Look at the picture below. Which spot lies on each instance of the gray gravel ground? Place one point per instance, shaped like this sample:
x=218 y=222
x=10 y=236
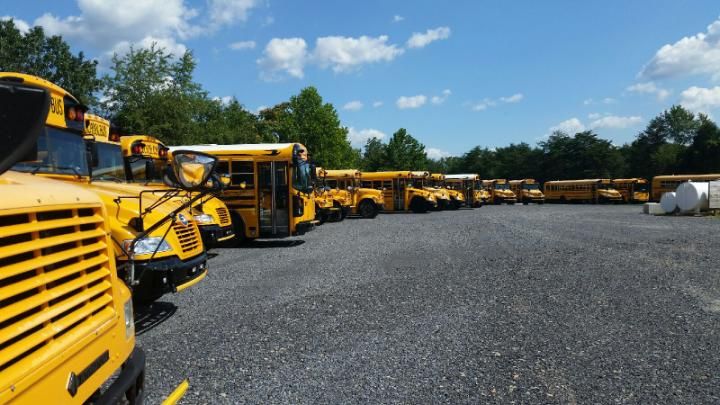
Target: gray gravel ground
x=525 y=304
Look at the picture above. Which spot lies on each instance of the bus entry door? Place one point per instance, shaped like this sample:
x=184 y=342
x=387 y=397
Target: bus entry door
x=273 y=205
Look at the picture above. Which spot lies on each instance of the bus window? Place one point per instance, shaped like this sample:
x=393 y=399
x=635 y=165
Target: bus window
x=58 y=152
x=110 y=163
x=242 y=171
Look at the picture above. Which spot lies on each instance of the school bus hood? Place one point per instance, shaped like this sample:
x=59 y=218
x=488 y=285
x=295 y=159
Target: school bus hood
x=44 y=191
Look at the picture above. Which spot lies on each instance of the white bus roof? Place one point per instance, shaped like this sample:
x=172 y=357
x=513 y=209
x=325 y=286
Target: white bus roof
x=240 y=146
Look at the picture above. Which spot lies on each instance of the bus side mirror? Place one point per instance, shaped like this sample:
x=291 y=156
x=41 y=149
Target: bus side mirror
x=23 y=111
x=190 y=170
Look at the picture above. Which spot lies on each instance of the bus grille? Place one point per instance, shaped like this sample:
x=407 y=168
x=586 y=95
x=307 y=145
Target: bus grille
x=187 y=236
x=224 y=216
x=55 y=285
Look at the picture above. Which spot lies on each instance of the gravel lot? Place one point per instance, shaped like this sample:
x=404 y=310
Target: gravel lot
x=531 y=304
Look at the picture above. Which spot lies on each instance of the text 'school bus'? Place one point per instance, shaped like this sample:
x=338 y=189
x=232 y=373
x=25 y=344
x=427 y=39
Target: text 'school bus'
x=588 y=190
x=633 y=190
x=666 y=183
x=146 y=158
x=469 y=184
x=527 y=191
x=500 y=192
x=366 y=202
x=66 y=320
x=437 y=181
x=167 y=259
x=271 y=188
x=402 y=190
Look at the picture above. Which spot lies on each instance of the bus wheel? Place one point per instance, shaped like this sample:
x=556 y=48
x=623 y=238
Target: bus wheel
x=321 y=216
x=454 y=205
x=563 y=200
x=525 y=202
x=337 y=216
x=368 y=209
x=418 y=205
x=239 y=228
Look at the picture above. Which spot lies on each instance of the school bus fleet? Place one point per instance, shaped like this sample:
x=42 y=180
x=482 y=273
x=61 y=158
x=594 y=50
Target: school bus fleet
x=95 y=221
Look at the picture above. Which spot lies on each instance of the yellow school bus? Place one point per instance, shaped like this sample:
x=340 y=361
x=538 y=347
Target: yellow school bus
x=366 y=202
x=499 y=191
x=402 y=190
x=66 y=322
x=168 y=259
x=589 y=190
x=456 y=198
x=325 y=209
x=271 y=188
x=145 y=160
x=665 y=183
x=469 y=185
x=339 y=201
x=527 y=191
x=633 y=190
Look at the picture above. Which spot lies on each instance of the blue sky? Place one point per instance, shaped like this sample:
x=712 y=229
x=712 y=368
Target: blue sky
x=455 y=74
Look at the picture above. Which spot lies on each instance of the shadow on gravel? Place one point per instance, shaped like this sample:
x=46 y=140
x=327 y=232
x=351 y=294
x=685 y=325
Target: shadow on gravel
x=148 y=317
x=266 y=244
x=212 y=255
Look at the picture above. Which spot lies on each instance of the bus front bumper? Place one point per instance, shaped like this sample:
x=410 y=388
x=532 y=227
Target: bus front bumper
x=164 y=276
x=212 y=235
x=131 y=379
x=304 y=227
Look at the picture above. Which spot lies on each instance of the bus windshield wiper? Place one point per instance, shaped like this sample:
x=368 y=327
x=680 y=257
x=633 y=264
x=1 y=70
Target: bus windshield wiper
x=109 y=177
x=39 y=166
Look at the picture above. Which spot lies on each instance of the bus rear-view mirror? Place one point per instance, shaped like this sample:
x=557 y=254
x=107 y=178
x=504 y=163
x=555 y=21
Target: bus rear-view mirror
x=190 y=170
x=23 y=111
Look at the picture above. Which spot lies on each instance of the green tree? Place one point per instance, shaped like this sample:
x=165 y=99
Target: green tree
x=229 y=124
x=151 y=92
x=50 y=58
x=374 y=156
x=306 y=119
x=403 y=152
x=583 y=155
x=517 y=161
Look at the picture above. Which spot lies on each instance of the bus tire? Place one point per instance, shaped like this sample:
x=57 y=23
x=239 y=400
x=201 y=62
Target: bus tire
x=239 y=228
x=338 y=215
x=321 y=216
x=418 y=205
x=454 y=205
x=563 y=200
x=368 y=209
x=525 y=203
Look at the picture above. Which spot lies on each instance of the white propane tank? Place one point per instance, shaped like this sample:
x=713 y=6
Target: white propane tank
x=692 y=196
x=668 y=202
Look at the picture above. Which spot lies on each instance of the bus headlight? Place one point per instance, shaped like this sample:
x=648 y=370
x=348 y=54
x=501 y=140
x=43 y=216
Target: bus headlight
x=203 y=219
x=148 y=245
x=129 y=319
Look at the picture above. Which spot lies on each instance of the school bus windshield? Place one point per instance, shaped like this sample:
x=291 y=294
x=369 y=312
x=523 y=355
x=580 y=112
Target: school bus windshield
x=301 y=175
x=503 y=186
x=416 y=183
x=146 y=170
x=531 y=187
x=59 y=152
x=110 y=165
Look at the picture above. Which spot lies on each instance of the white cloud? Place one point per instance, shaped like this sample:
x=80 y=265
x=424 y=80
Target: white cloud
x=108 y=27
x=287 y=55
x=21 y=25
x=587 y=101
x=360 y=137
x=405 y=102
x=700 y=99
x=241 y=45
x=420 y=40
x=168 y=43
x=694 y=55
x=616 y=122
x=594 y=116
x=484 y=105
x=435 y=153
x=570 y=126
x=225 y=100
x=398 y=18
x=228 y=12
x=606 y=100
x=515 y=98
x=649 y=88
x=609 y=100
x=441 y=98
x=345 y=54
x=377 y=104
x=354 y=105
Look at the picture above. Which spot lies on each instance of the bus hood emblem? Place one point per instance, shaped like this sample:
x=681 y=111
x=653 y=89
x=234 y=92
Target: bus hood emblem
x=182 y=219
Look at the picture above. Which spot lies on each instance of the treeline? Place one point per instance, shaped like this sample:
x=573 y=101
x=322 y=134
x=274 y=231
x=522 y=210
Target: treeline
x=149 y=91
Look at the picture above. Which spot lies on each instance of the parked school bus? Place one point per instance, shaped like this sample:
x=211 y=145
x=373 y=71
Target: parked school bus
x=633 y=190
x=499 y=191
x=421 y=180
x=66 y=322
x=456 y=198
x=325 y=209
x=469 y=184
x=589 y=190
x=402 y=190
x=366 y=202
x=271 y=188
x=340 y=200
x=665 y=183
x=165 y=260
x=145 y=160
x=527 y=191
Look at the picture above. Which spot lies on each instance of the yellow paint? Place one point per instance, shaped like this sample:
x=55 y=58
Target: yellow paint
x=177 y=393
